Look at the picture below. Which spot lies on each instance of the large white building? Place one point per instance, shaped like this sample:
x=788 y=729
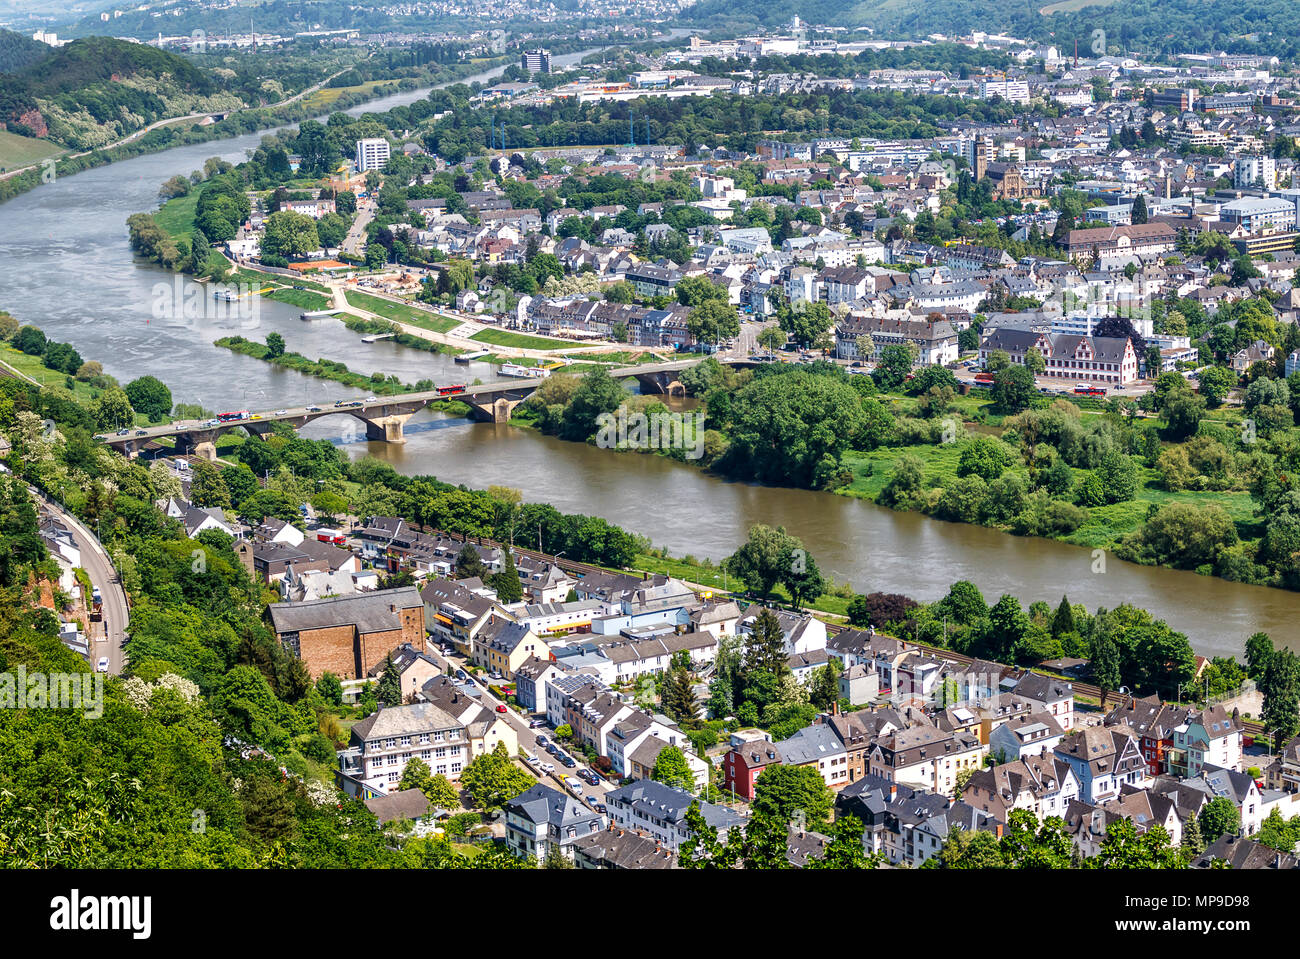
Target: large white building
x=372 y=154
x=1249 y=171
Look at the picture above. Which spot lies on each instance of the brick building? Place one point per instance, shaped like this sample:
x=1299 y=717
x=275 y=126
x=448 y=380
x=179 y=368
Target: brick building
x=347 y=635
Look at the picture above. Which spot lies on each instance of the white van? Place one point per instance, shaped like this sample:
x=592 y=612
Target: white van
x=573 y=784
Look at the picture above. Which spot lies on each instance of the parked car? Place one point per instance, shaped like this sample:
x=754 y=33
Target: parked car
x=573 y=784
x=593 y=801
x=542 y=741
x=102 y=665
x=530 y=758
x=552 y=749
x=536 y=724
x=592 y=778
x=461 y=674
x=569 y=761
x=501 y=707
x=548 y=767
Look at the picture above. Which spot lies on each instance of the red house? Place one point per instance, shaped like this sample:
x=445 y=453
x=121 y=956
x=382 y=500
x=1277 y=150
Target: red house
x=742 y=765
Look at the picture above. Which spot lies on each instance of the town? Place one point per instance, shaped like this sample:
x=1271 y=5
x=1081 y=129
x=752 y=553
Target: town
x=263 y=505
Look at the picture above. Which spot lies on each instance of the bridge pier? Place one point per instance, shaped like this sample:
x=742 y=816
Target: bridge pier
x=498 y=410
x=389 y=429
x=664 y=383
x=198 y=443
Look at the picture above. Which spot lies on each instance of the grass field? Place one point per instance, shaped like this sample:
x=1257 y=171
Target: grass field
x=19 y=151
x=33 y=367
x=400 y=312
x=177 y=214
x=305 y=299
x=520 y=341
x=1071 y=6
x=326 y=97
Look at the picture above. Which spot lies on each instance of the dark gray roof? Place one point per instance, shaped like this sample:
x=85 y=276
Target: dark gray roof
x=368 y=612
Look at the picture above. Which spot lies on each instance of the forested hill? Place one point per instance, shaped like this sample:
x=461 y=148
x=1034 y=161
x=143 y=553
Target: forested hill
x=93 y=92
x=83 y=63
x=1161 y=26
x=18 y=51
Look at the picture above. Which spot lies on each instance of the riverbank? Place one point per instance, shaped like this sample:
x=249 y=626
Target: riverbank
x=166 y=135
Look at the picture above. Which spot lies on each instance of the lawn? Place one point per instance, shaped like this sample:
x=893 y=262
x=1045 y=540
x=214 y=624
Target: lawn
x=19 y=151
x=33 y=367
x=304 y=299
x=520 y=341
x=400 y=312
x=177 y=215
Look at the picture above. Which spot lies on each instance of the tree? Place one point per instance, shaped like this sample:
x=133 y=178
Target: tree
x=1123 y=848
x=30 y=340
x=274 y=345
x=112 y=409
x=1280 y=687
x=1063 y=620
x=765 y=651
x=1028 y=844
x=597 y=393
x=766 y=558
x=506 y=583
x=1105 y=665
x=824 y=690
x=806 y=323
x=390 y=684
x=893 y=366
x=671 y=769
x=330 y=688
x=1013 y=388
x=1183 y=414
x=1139 y=214
x=1259 y=650
x=289 y=235
x=1219 y=816
x=677 y=696
x=150 y=397
x=784 y=793
x=713 y=321
x=985 y=456
x=1215 y=385
x=469 y=564
x=492 y=779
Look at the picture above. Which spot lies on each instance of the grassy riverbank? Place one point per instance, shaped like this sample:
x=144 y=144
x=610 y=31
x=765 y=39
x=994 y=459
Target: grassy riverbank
x=376 y=383
x=400 y=312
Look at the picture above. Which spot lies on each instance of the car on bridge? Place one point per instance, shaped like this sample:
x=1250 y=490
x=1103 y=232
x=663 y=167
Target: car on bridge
x=313 y=409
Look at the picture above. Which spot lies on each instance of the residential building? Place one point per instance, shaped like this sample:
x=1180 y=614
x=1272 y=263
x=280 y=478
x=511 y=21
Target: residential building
x=372 y=154
x=384 y=742
x=542 y=821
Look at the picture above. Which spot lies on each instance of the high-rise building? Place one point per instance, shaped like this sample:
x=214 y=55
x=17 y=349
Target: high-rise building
x=1251 y=171
x=536 y=61
x=372 y=154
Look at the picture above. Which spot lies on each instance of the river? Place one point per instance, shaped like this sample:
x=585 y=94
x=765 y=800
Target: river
x=69 y=269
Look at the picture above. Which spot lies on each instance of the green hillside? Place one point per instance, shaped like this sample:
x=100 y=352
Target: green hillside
x=93 y=92
x=18 y=51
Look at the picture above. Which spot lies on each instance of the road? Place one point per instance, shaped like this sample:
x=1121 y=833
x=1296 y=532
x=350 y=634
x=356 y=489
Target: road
x=95 y=561
x=528 y=737
x=352 y=244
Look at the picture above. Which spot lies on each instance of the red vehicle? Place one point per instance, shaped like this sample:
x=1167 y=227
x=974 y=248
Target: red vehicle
x=232 y=416
x=1087 y=389
x=330 y=536
x=983 y=379
x=501 y=707
x=449 y=390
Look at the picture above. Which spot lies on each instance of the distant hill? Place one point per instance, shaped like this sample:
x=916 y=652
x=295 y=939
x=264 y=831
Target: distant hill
x=95 y=91
x=1162 y=26
x=18 y=51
